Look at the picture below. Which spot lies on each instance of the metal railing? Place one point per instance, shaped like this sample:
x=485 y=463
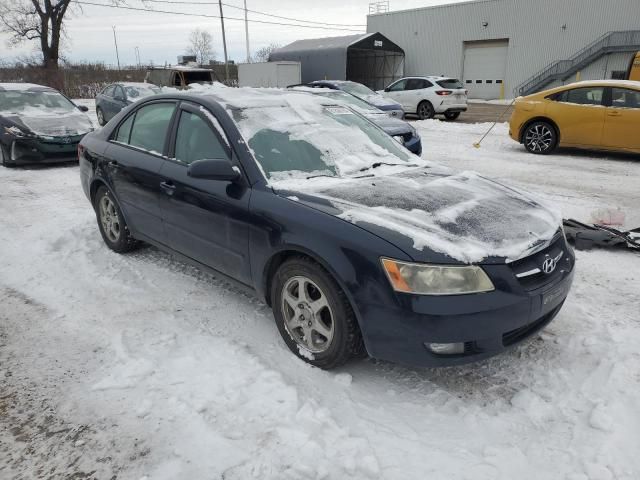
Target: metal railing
x=625 y=41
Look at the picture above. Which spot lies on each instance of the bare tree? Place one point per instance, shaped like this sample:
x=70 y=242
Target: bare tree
x=201 y=45
x=262 y=54
x=37 y=20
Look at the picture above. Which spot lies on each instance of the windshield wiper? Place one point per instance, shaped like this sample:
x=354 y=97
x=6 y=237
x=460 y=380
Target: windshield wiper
x=321 y=175
x=379 y=164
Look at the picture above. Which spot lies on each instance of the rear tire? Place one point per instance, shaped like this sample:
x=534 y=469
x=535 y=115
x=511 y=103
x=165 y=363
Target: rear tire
x=100 y=114
x=425 y=110
x=451 y=115
x=540 y=138
x=313 y=314
x=113 y=227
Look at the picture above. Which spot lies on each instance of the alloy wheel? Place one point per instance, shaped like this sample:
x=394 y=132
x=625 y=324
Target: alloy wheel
x=110 y=219
x=539 y=138
x=308 y=317
x=425 y=110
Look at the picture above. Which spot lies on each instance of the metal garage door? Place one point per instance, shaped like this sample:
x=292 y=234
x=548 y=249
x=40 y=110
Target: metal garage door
x=485 y=66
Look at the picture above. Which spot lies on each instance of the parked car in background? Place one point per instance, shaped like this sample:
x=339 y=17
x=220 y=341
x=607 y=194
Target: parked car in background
x=601 y=114
x=364 y=93
x=429 y=96
x=180 y=76
x=38 y=124
x=400 y=130
x=356 y=244
x=117 y=96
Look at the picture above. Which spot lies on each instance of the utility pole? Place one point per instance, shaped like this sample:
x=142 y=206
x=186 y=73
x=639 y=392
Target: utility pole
x=246 y=31
x=224 y=44
x=115 y=41
x=137 y=50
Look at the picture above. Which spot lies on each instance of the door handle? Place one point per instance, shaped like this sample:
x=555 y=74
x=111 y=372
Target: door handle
x=114 y=164
x=168 y=188
x=614 y=114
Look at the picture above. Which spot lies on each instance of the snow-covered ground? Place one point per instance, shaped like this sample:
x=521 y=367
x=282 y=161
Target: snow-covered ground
x=139 y=366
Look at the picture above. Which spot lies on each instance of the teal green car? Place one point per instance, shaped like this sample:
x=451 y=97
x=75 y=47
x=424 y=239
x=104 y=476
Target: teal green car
x=39 y=125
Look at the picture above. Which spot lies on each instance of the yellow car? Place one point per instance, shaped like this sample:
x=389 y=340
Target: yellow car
x=602 y=115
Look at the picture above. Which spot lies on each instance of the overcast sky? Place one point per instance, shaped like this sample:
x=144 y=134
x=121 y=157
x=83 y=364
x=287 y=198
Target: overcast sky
x=161 y=37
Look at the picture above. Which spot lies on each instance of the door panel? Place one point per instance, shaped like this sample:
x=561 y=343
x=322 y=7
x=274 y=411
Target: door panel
x=622 y=120
x=398 y=94
x=579 y=114
x=207 y=220
x=135 y=178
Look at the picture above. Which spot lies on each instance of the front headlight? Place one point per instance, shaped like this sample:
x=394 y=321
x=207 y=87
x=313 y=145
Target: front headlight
x=18 y=133
x=423 y=279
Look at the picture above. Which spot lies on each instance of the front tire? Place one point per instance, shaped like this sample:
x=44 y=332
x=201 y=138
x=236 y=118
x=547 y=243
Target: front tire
x=425 y=110
x=540 y=138
x=113 y=227
x=313 y=314
x=451 y=116
x=4 y=156
x=100 y=114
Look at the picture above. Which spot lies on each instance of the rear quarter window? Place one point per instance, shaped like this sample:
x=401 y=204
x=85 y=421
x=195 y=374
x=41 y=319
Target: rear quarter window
x=451 y=83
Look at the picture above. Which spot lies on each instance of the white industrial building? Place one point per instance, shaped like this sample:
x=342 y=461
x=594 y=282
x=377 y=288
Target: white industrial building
x=503 y=48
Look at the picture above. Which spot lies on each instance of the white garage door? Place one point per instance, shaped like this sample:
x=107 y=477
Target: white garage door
x=485 y=66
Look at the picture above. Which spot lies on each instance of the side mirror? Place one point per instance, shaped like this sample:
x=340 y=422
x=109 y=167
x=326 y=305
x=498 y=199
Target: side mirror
x=386 y=89
x=214 y=170
x=83 y=108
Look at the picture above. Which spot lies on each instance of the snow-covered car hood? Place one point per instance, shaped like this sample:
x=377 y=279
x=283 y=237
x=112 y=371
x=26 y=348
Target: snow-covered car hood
x=51 y=123
x=440 y=217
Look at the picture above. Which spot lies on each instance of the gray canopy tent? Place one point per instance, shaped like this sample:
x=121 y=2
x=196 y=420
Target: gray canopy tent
x=371 y=59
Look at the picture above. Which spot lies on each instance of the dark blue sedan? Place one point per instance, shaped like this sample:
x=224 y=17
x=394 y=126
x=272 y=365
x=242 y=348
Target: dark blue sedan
x=117 y=96
x=356 y=244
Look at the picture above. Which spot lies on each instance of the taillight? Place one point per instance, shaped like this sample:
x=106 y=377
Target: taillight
x=80 y=151
x=444 y=93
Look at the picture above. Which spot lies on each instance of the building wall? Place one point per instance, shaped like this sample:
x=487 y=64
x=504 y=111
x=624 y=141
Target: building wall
x=433 y=37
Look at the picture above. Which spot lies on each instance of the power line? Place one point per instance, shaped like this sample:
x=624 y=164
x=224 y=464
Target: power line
x=189 y=2
x=202 y=15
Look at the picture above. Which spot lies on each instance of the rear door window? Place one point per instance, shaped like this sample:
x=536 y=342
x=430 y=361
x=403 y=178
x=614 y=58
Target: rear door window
x=195 y=140
x=150 y=127
x=109 y=91
x=416 y=84
x=625 y=98
x=583 y=96
x=124 y=130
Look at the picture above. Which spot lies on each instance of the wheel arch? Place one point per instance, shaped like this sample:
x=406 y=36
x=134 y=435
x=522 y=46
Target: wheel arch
x=540 y=118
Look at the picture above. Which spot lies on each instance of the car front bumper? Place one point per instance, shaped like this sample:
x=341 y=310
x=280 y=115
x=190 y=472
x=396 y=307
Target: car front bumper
x=23 y=151
x=483 y=325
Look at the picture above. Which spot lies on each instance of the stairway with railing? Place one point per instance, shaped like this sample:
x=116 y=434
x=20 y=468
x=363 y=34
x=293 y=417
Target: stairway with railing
x=611 y=42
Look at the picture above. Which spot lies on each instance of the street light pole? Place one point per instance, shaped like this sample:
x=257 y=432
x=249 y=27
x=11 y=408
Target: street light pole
x=115 y=41
x=246 y=31
x=224 y=44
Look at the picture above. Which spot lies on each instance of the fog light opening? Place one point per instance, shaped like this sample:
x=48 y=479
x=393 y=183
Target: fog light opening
x=446 y=348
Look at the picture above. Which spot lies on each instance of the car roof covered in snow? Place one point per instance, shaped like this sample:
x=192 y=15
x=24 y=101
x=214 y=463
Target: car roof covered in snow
x=248 y=97
x=15 y=87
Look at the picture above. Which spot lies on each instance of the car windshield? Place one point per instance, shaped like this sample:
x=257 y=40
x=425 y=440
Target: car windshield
x=135 y=92
x=23 y=101
x=306 y=139
x=451 y=83
x=356 y=89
